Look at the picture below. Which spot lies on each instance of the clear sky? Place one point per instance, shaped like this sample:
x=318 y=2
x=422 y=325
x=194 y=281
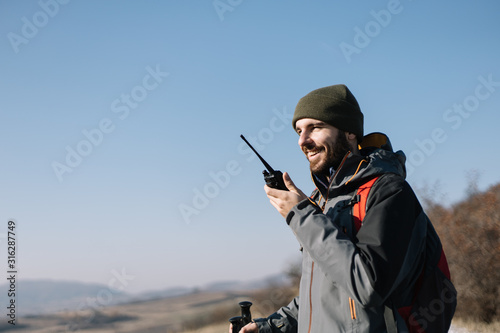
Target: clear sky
x=120 y=123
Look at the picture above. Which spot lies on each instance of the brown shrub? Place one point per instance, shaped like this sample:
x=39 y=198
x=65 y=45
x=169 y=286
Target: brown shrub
x=470 y=232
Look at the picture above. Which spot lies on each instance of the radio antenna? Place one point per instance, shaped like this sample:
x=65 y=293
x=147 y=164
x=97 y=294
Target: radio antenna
x=268 y=167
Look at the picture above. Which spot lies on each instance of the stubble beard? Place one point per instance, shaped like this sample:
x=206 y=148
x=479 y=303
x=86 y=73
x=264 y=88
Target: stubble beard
x=334 y=155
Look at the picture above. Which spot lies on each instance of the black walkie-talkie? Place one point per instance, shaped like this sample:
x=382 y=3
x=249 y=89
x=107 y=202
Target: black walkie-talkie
x=273 y=178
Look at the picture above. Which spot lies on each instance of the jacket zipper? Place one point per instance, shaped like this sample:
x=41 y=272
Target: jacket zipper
x=312 y=267
x=352 y=306
x=310 y=298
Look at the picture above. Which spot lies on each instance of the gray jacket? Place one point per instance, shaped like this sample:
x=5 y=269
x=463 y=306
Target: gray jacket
x=349 y=278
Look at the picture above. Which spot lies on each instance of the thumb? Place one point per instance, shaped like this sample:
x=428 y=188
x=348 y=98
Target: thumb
x=290 y=184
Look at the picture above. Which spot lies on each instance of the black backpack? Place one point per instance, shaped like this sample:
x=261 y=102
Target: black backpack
x=435 y=298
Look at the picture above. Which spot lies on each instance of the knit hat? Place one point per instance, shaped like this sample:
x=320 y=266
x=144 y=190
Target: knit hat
x=335 y=105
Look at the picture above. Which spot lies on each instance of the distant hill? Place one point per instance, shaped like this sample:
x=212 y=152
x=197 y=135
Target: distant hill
x=48 y=296
x=277 y=279
x=35 y=297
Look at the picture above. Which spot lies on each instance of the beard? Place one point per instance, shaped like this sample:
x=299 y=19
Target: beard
x=334 y=155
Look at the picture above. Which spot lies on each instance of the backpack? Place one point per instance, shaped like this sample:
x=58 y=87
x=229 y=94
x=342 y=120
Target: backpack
x=435 y=298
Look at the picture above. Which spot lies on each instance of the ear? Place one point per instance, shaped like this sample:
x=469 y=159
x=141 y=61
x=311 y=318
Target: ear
x=351 y=137
x=353 y=141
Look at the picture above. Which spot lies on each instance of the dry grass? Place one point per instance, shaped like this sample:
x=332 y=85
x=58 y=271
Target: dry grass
x=179 y=314
x=200 y=313
x=216 y=328
x=462 y=326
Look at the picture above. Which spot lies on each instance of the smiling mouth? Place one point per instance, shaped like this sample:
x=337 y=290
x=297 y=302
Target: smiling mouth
x=312 y=153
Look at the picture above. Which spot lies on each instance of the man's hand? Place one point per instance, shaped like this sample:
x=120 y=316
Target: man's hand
x=284 y=201
x=249 y=328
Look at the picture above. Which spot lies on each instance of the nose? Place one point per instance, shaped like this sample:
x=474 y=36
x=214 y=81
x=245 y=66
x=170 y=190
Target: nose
x=304 y=139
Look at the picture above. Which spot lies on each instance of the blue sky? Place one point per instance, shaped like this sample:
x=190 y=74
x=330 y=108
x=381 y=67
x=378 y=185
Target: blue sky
x=120 y=123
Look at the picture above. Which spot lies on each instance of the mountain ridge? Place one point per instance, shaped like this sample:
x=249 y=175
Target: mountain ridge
x=46 y=296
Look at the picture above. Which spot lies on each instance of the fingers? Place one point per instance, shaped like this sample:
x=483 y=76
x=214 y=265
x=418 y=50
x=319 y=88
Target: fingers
x=288 y=183
x=250 y=328
x=284 y=201
x=294 y=191
x=278 y=204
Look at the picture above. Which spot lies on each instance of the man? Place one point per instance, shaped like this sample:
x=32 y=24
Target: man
x=352 y=280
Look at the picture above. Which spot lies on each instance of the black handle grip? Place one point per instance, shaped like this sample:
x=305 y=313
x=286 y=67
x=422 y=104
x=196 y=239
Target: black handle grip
x=246 y=316
x=236 y=321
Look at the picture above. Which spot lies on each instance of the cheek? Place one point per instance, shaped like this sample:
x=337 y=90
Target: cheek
x=330 y=146
x=323 y=141
x=331 y=140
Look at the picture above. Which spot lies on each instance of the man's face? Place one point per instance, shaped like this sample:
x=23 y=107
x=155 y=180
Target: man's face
x=324 y=145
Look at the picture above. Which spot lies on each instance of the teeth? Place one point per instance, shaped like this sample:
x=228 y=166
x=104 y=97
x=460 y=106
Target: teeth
x=312 y=152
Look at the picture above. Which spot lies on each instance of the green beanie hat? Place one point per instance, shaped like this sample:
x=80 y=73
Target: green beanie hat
x=335 y=105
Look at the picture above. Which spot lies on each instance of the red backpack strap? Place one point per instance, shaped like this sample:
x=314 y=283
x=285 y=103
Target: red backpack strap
x=359 y=207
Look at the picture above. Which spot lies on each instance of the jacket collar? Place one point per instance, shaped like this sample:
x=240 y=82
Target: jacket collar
x=321 y=181
x=375 y=157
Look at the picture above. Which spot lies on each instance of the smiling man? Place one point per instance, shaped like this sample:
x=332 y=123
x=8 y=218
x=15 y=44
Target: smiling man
x=324 y=145
x=365 y=238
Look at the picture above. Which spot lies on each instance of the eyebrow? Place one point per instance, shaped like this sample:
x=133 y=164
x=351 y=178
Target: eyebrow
x=315 y=123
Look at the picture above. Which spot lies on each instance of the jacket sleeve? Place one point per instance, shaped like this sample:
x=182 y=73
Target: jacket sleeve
x=283 y=320
x=386 y=249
